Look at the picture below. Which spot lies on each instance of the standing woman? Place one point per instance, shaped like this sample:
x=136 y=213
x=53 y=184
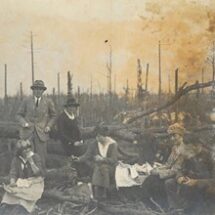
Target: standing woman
x=67 y=125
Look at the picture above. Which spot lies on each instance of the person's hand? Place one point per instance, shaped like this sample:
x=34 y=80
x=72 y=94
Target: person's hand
x=78 y=143
x=27 y=154
x=154 y=171
x=25 y=125
x=190 y=182
x=12 y=183
x=47 y=129
x=98 y=158
x=74 y=158
x=30 y=160
x=182 y=180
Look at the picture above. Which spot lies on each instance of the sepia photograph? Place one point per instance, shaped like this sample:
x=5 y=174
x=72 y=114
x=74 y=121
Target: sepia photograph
x=107 y=107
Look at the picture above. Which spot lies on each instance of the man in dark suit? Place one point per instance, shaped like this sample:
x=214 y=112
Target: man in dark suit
x=36 y=116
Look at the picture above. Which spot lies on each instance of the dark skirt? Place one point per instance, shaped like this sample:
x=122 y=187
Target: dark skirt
x=103 y=175
x=7 y=209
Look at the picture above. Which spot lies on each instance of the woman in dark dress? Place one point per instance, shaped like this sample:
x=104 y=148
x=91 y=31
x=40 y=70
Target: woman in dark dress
x=68 y=128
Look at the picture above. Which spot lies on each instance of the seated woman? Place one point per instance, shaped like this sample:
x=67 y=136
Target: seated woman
x=26 y=181
x=103 y=153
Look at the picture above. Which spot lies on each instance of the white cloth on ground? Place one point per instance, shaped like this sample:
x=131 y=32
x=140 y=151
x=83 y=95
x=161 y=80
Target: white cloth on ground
x=26 y=193
x=127 y=175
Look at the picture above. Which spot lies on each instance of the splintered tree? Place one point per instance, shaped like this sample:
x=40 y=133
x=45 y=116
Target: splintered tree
x=5 y=84
x=203 y=73
x=21 y=91
x=147 y=77
x=69 y=84
x=58 y=88
x=176 y=91
x=211 y=60
x=126 y=90
x=139 y=81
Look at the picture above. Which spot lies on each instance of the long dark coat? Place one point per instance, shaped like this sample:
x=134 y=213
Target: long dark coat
x=103 y=172
x=68 y=132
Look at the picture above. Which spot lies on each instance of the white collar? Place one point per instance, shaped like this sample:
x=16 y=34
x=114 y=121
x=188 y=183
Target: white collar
x=70 y=116
x=23 y=159
x=35 y=99
x=104 y=148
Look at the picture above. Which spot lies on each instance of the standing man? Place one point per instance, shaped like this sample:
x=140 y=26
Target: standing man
x=36 y=116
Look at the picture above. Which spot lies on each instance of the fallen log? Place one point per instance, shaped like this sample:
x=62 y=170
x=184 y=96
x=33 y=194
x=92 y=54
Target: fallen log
x=87 y=132
x=181 y=92
x=122 y=132
x=56 y=160
x=55 y=148
x=9 y=130
x=79 y=194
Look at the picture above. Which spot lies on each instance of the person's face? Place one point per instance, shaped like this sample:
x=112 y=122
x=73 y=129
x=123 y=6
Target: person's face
x=177 y=138
x=100 y=138
x=72 y=109
x=25 y=152
x=37 y=92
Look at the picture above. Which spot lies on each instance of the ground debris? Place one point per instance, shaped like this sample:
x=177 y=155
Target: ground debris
x=101 y=208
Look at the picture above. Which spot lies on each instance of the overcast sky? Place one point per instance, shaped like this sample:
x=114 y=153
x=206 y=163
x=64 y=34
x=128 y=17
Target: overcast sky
x=70 y=35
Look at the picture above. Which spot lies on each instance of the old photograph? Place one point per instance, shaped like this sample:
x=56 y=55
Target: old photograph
x=107 y=107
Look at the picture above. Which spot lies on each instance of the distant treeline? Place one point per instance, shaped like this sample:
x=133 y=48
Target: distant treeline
x=103 y=107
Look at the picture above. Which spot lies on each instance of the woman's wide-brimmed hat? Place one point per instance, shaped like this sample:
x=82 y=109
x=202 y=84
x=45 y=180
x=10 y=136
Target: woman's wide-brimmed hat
x=176 y=129
x=71 y=102
x=101 y=130
x=38 y=84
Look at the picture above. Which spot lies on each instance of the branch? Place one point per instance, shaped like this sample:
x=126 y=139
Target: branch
x=181 y=92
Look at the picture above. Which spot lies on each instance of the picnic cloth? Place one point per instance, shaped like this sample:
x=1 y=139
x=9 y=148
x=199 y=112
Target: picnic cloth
x=127 y=175
x=25 y=193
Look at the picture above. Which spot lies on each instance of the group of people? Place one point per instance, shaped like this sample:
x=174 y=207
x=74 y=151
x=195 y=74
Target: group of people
x=186 y=176
x=36 y=116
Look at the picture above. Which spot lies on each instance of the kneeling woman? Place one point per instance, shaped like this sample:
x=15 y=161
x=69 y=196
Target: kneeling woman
x=103 y=153
x=26 y=181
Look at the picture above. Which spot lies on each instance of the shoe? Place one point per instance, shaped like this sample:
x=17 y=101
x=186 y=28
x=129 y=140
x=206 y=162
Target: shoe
x=176 y=211
x=93 y=204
